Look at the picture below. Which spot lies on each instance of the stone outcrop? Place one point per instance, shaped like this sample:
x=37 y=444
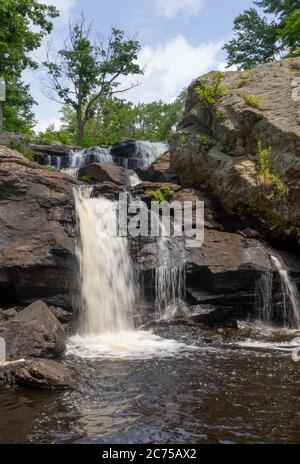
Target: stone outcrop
x=103 y=173
x=159 y=171
x=33 y=333
x=36 y=373
x=37 y=233
x=216 y=147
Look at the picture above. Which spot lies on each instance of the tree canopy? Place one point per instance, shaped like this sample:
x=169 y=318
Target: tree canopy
x=24 y=23
x=85 y=72
x=262 y=38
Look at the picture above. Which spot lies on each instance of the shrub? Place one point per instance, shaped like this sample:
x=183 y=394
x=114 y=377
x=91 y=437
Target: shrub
x=267 y=178
x=210 y=89
x=22 y=149
x=252 y=101
x=85 y=179
x=160 y=195
x=245 y=76
x=205 y=142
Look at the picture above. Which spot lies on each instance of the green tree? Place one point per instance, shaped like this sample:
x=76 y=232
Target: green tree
x=24 y=23
x=18 y=116
x=86 y=72
x=259 y=39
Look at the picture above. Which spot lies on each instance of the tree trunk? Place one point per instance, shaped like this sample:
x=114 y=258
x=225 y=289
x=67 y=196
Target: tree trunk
x=81 y=125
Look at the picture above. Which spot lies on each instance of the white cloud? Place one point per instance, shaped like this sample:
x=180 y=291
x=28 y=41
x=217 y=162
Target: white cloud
x=171 y=8
x=171 y=67
x=64 y=6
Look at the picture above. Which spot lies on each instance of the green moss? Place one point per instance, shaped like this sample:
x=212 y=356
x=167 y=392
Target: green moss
x=252 y=101
x=17 y=146
x=160 y=195
x=267 y=178
x=210 y=89
x=206 y=143
x=85 y=179
x=245 y=76
x=183 y=139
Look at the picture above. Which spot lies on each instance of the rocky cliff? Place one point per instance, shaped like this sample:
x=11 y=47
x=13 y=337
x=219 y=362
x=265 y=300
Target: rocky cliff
x=240 y=139
x=37 y=233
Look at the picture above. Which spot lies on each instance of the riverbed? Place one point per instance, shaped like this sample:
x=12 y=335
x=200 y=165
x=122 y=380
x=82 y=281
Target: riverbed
x=224 y=387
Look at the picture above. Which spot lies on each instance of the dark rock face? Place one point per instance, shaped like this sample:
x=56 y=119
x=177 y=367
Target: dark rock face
x=229 y=169
x=37 y=233
x=36 y=373
x=33 y=333
x=104 y=173
x=159 y=171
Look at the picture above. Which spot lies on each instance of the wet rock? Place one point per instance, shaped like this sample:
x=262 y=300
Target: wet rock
x=227 y=167
x=159 y=171
x=36 y=373
x=37 y=233
x=103 y=173
x=33 y=332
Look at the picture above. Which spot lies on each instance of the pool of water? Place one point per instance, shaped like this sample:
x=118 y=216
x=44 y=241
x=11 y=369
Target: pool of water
x=223 y=387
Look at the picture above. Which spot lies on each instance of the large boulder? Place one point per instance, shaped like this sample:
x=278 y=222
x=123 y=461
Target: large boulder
x=37 y=233
x=159 y=171
x=216 y=147
x=36 y=373
x=33 y=333
x=103 y=173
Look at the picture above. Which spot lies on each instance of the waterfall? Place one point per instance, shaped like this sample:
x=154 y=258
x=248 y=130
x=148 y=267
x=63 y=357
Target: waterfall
x=148 y=152
x=169 y=278
x=291 y=309
x=108 y=294
x=108 y=290
x=81 y=158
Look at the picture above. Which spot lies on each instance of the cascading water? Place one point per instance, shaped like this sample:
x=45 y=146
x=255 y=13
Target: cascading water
x=108 y=289
x=148 y=152
x=263 y=296
x=291 y=308
x=78 y=159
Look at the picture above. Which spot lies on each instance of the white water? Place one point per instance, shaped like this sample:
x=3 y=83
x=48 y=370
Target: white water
x=78 y=159
x=290 y=294
x=148 y=152
x=108 y=290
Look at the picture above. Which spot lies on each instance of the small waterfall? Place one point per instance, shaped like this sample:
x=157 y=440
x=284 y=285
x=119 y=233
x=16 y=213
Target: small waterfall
x=291 y=308
x=108 y=294
x=263 y=296
x=81 y=158
x=169 y=279
x=148 y=152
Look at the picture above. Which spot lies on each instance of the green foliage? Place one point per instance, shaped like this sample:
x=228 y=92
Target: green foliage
x=260 y=39
x=87 y=72
x=290 y=33
x=160 y=195
x=210 y=89
x=18 y=146
x=23 y=24
x=115 y=119
x=183 y=139
x=267 y=178
x=18 y=115
x=244 y=79
x=85 y=179
x=252 y=101
x=206 y=143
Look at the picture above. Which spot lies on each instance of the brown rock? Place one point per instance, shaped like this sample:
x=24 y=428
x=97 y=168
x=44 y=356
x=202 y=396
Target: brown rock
x=229 y=168
x=33 y=332
x=103 y=173
x=36 y=373
x=37 y=233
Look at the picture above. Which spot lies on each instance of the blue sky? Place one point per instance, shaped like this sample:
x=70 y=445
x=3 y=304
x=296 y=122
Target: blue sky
x=181 y=40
